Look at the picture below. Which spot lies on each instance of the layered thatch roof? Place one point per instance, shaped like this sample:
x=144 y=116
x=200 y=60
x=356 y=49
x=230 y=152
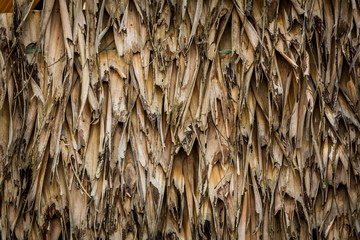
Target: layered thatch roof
x=180 y=119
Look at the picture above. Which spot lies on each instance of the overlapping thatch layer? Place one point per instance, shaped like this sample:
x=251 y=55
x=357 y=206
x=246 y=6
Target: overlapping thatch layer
x=180 y=119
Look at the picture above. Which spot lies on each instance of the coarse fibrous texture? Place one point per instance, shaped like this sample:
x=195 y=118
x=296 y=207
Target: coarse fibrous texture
x=207 y=119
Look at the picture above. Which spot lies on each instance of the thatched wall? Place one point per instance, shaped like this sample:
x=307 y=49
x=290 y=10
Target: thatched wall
x=187 y=119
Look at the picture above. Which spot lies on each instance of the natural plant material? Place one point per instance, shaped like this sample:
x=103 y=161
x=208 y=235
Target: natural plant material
x=180 y=119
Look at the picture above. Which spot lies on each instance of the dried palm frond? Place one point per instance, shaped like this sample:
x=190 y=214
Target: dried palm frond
x=180 y=119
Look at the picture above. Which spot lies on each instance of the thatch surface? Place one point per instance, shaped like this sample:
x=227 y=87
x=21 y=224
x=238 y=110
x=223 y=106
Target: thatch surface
x=185 y=119
x=6 y=6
